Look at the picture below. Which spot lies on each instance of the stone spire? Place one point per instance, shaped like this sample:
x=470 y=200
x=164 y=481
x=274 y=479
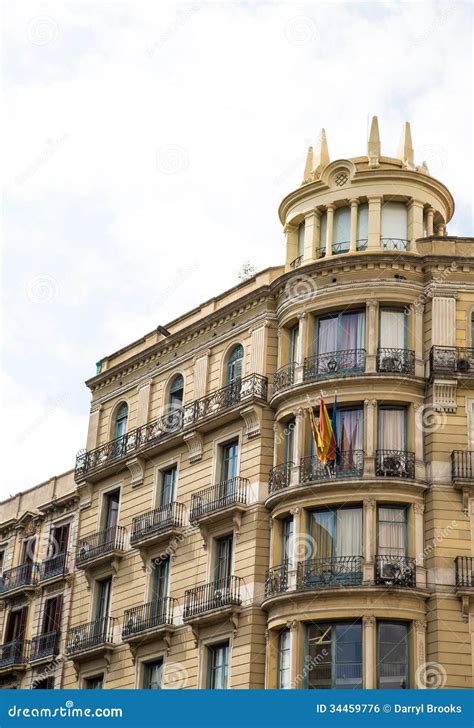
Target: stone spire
x=308 y=168
x=373 y=144
x=323 y=152
x=405 y=150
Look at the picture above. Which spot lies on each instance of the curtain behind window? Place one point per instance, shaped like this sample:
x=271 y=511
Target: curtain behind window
x=394 y=220
x=342 y=227
x=392 y=531
x=391 y=434
x=349 y=532
x=392 y=329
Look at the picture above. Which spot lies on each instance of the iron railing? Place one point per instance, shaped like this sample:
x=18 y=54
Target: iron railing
x=13 y=654
x=296 y=263
x=335 y=571
x=20 y=576
x=279 y=477
x=394 y=570
x=395 y=463
x=171 y=515
x=451 y=360
x=334 y=364
x=349 y=464
x=462 y=464
x=362 y=243
x=339 y=248
x=464 y=571
x=45 y=645
x=208 y=597
x=100 y=543
x=394 y=243
x=221 y=495
x=241 y=391
x=157 y=613
x=284 y=377
x=276 y=580
x=396 y=361
x=54 y=566
x=90 y=635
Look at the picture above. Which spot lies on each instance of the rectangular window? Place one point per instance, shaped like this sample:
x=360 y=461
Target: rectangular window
x=46 y=683
x=392 y=530
x=287 y=536
x=218 y=666
x=342 y=229
x=160 y=579
x=301 y=231
x=16 y=625
x=104 y=589
x=336 y=532
x=394 y=224
x=362 y=225
x=392 y=655
x=349 y=433
x=392 y=429
x=323 y=232
x=152 y=675
x=168 y=486
x=28 y=551
x=289 y=434
x=52 y=614
x=284 y=658
x=229 y=460
x=94 y=683
x=334 y=655
x=2 y=561
x=111 y=509
x=339 y=332
x=392 y=329
x=294 y=339
x=59 y=540
x=223 y=561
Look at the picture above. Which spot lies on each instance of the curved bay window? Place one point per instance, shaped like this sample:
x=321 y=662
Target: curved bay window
x=338 y=345
x=393 y=567
x=342 y=230
x=349 y=460
x=334 y=655
x=394 y=226
x=392 y=655
x=393 y=355
x=362 y=226
x=392 y=457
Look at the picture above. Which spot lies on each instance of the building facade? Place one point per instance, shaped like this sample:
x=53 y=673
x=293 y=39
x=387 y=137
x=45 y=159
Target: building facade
x=213 y=548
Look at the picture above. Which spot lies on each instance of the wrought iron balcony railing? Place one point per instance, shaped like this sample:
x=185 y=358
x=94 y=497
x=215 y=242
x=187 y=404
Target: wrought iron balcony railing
x=297 y=262
x=168 y=517
x=464 y=572
x=462 y=464
x=396 y=361
x=451 y=361
x=395 y=463
x=158 y=613
x=335 y=571
x=99 y=544
x=279 y=477
x=394 y=244
x=14 y=654
x=350 y=464
x=276 y=580
x=25 y=575
x=394 y=570
x=91 y=635
x=253 y=387
x=334 y=364
x=340 y=248
x=227 y=493
x=209 y=597
x=284 y=377
x=45 y=645
x=362 y=243
x=54 y=566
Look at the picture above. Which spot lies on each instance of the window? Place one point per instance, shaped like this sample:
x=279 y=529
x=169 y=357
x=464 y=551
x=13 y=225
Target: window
x=159 y=587
x=223 y=561
x=110 y=510
x=472 y=330
x=16 y=625
x=392 y=530
x=52 y=615
x=168 y=486
x=176 y=393
x=339 y=332
x=294 y=339
x=28 y=551
x=394 y=225
x=342 y=230
x=349 y=435
x=153 y=675
x=301 y=229
x=337 y=532
x=334 y=655
x=218 y=666
x=392 y=329
x=229 y=460
x=94 y=683
x=2 y=561
x=323 y=233
x=235 y=364
x=284 y=655
x=362 y=226
x=289 y=433
x=392 y=429
x=46 y=683
x=103 y=594
x=392 y=655
x=121 y=418
x=58 y=540
x=287 y=539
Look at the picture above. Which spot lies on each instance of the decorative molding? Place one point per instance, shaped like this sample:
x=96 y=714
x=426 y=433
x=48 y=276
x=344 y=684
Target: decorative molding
x=444 y=395
x=136 y=467
x=368 y=621
x=252 y=417
x=195 y=444
x=421 y=626
x=419 y=508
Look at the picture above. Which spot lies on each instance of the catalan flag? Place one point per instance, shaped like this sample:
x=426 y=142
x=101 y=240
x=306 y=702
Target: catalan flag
x=323 y=434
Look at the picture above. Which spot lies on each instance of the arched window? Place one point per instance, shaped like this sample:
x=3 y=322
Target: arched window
x=121 y=417
x=234 y=364
x=176 y=392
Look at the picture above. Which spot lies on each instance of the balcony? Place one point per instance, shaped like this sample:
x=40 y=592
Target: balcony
x=350 y=465
x=297 y=262
x=55 y=567
x=340 y=248
x=335 y=571
x=44 y=646
x=19 y=580
x=91 y=639
x=151 y=619
x=14 y=655
x=276 y=580
x=343 y=363
x=394 y=570
x=224 y=497
x=451 y=361
x=395 y=361
x=100 y=547
x=395 y=464
x=279 y=477
x=284 y=377
x=111 y=456
x=158 y=524
x=462 y=465
x=394 y=244
x=211 y=600
x=464 y=572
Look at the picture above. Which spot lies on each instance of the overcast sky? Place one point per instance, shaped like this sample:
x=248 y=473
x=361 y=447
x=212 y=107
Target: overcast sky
x=147 y=147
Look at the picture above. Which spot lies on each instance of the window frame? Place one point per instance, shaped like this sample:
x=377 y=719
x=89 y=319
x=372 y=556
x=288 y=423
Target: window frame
x=333 y=625
x=399 y=408
x=146 y=667
x=393 y=309
x=211 y=671
x=285 y=633
x=339 y=316
x=381 y=622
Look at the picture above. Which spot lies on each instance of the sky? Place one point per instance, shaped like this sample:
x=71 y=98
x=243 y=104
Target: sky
x=147 y=146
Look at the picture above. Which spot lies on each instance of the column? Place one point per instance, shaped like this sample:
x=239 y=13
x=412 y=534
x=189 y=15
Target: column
x=296 y=632
x=368 y=642
x=420 y=652
x=311 y=235
x=429 y=221
x=418 y=335
x=418 y=511
x=329 y=229
x=369 y=539
x=369 y=459
x=291 y=232
x=93 y=429
x=353 y=243
x=374 y=222
x=372 y=334
x=415 y=223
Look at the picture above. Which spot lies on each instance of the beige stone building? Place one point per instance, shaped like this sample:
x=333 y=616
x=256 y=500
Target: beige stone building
x=214 y=549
